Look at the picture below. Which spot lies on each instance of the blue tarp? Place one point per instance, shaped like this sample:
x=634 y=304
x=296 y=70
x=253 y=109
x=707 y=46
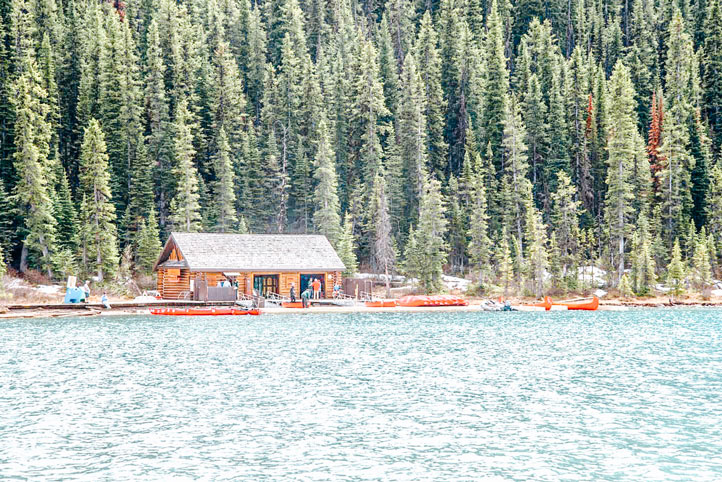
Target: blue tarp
x=74 y=295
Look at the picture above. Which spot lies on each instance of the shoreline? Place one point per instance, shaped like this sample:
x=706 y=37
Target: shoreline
x=130 y=309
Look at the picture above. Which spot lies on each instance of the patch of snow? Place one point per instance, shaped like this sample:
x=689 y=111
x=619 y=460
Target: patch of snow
x=454 y=283
x=48 y=289
x=716 y=293
x=600 y=293
x=662 y=288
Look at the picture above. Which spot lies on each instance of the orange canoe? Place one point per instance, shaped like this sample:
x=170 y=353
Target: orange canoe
x=582 y=305
x=546 y=304
x=296 y=304
x=202 y=312
x=381 y=304
x=438 y=300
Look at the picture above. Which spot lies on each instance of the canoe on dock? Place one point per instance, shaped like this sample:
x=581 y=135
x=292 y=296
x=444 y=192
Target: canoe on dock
x=202 y=312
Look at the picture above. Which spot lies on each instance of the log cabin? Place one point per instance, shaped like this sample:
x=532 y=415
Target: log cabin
x=193 y=265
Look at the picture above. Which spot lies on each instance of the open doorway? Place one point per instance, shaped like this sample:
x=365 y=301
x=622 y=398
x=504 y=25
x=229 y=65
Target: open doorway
x=263 y=284
x=306 y=279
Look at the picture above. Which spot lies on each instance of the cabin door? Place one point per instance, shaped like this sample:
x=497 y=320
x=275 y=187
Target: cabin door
x=306 y=279
x=263 y=284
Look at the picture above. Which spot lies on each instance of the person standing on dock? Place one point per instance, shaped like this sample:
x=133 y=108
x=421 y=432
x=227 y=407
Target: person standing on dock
x=292 y=292
x=316 y=289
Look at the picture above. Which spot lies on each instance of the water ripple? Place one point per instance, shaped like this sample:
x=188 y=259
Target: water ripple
x=591 y=396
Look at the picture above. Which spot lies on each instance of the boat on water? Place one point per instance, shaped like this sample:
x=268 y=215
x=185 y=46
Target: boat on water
x=436 y=300
x=202 y=311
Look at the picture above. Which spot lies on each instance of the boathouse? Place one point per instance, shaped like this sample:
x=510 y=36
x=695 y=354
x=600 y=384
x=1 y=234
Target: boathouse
x=193 y=265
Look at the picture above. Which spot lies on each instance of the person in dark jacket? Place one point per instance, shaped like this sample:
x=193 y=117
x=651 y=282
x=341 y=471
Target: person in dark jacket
x=306 y=298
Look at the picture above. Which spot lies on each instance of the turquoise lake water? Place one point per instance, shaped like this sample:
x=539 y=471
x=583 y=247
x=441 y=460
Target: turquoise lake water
x=634 y=395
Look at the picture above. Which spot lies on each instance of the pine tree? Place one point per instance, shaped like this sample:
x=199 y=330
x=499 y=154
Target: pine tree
x=479 y=242
x=147 y=244
x=98 y=214
x=625 y=287
x=185 y=207
x=713 y=71
x=702 y=272
x=496 y=85
x=431 y=236
x=32 y=194
x=505 y=269
x=676 y=270
x=622 y=144
x=565 y=221
x=224 y=198
x=345 y=247
x=412 y=133
x=429 y=67
x=326 y=217
x=515 y=166
x=536 y=249
x=120 y=104
x=643 y=274
x=714 y=203
x=384 y=253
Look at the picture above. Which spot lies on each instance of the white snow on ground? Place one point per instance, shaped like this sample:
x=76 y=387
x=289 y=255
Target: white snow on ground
x=600 y=293
x=716 y=293
x=48 y=289
x=453 y=283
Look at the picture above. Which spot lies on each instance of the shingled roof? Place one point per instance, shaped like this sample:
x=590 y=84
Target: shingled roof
x=252 y=252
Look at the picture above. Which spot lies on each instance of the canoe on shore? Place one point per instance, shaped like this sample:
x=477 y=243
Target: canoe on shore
x=585 y=305
x=438 y=300
x=202 y=312
x=381 y=304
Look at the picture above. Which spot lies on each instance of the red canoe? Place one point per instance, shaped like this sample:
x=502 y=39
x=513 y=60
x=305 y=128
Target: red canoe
x=381 y=304
x=546 y=304
x=437 y=300
x=582 y=305
x=202 y=312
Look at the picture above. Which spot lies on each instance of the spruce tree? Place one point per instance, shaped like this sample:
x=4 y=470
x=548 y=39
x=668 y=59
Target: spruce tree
x=185 y=208
x=713 y=71
x=431 y=235
x=98 y=214
x=505 y=270
x=479 y=242
x=429 y=68
x=147 y=244
x=345 y=247
x=32 y=192
x=326 y=217
x=702 y=272
x=224 y=198
x=496 y=85
x=622 y=144
x=383 y=252
x=515 y=167
x=676 y=270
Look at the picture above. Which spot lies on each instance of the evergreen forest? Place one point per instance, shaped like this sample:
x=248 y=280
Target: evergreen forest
x=513 y=142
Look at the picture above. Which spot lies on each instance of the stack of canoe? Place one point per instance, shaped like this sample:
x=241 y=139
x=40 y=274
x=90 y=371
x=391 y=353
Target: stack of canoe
x=437 y=300
x=202 y=311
